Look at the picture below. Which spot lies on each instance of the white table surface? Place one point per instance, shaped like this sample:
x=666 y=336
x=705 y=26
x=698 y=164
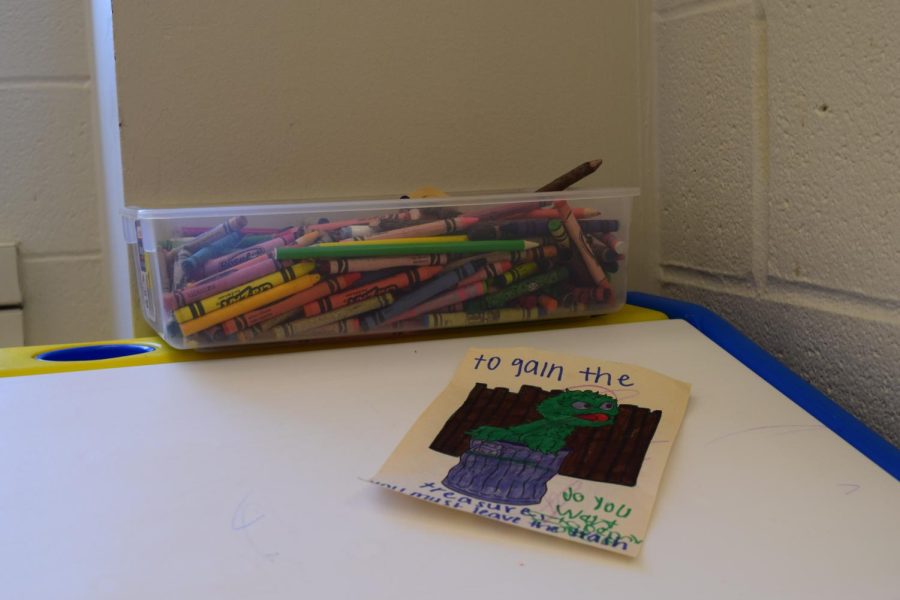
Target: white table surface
x=240 y=478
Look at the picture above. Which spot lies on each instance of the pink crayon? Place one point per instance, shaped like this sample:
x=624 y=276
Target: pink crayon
x=458 y=294
x=428 y=229
x=333 y=225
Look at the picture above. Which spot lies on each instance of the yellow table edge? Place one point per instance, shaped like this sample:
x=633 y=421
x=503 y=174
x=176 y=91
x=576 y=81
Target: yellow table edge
x=21 y=360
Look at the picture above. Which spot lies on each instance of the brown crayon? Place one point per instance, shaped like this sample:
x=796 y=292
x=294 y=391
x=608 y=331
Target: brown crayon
x=572 y=177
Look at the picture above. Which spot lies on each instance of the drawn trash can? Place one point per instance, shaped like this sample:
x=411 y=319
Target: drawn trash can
x=504 y=472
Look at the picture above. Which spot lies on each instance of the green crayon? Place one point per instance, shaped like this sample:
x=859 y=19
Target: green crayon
x=509 y=293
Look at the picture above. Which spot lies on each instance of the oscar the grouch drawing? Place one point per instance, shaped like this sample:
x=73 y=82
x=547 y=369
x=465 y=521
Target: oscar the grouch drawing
x=513 y=464
x=562 y=414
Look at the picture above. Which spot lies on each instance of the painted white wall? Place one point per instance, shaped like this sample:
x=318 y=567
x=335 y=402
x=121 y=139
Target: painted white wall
x=48 y=196
x=778 y=187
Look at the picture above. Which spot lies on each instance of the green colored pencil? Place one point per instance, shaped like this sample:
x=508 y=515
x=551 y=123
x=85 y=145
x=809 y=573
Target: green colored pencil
x=350 y=249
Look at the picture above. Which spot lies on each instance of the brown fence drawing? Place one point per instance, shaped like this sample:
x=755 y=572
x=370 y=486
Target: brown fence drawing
x=612 y=454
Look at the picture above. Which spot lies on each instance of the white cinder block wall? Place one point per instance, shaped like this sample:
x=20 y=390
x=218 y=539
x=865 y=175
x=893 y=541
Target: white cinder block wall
x=48 y=198
x=778 y=180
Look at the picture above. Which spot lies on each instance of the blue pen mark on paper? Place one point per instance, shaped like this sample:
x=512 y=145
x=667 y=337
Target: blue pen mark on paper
x=240 y=520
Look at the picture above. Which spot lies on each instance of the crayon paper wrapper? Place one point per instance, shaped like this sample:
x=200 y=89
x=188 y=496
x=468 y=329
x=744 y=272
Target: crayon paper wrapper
x=562 y=445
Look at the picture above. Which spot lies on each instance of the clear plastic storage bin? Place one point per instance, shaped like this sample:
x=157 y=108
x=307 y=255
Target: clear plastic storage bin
x=230 y=275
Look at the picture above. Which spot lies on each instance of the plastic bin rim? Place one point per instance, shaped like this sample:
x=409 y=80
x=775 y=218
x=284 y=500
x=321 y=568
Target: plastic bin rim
x=339 y=205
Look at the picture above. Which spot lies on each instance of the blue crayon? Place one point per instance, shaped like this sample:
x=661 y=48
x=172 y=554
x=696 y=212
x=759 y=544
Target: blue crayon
x=421 y=294
x=599 y=225
x=193 y=264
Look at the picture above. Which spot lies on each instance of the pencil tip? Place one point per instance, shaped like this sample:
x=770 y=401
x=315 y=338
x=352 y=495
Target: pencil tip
x=595 y=164
x=529 y=244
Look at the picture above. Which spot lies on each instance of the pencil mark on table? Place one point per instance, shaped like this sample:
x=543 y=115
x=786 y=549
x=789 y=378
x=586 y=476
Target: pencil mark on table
x=239 y=518
x=852 y=488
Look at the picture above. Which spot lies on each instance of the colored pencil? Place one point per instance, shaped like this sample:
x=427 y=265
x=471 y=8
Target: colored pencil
x=572 y=177
x=351 y=249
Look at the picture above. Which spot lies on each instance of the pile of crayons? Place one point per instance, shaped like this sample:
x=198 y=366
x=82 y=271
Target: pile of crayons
x=411 y=268
x=414 y=269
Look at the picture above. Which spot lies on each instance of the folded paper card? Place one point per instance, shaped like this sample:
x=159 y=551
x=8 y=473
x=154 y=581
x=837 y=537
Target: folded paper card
x=562 y=445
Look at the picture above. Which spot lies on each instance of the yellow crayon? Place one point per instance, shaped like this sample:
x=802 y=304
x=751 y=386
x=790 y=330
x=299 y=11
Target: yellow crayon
x=248 y=304
x=236 y=294
x=411 y=240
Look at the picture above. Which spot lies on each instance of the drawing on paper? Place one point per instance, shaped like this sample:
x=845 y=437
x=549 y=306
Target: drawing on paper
x=520 y=441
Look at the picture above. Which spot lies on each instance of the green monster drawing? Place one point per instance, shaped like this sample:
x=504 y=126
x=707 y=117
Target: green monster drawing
x=562 y=414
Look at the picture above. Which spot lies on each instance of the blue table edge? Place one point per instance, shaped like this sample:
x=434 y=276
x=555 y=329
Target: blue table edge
x=720 y=331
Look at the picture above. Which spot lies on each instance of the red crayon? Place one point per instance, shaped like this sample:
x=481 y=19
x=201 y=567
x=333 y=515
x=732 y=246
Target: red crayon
x=297 y=301
x=376 y=288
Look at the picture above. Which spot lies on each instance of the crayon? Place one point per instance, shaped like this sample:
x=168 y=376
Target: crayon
x=427 y=229
x=458 y=294
x=559 y=234
x=213 y=266
x=335 y=225
x=291 y=303
x=252 y=240
x=193 y=265
x=535 y=253
x=610 y=267
x=552 y=213
x=248 y=304
x=572 y=177
x=359 y=293
x=599 y=225
x=517 y=273
x=488 y=271
x=350 y=231
x=293 y=328
x=179 y=273
x=351 y=249
x=232 y=225
x=548 y=303
x=511 y=292
x=238 y=293
x=494 y=212
x=601 y=251
x=578 y=241
x=461 y=319
x=349 y=326
x=222 y=281
x=419 y=295
x=618 y=246
x=195 y=231
x=347 y=265
x=509 y=230
x=411 y=240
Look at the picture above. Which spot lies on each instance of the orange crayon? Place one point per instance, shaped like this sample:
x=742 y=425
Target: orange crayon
x=291 y=303
x=392 y=283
